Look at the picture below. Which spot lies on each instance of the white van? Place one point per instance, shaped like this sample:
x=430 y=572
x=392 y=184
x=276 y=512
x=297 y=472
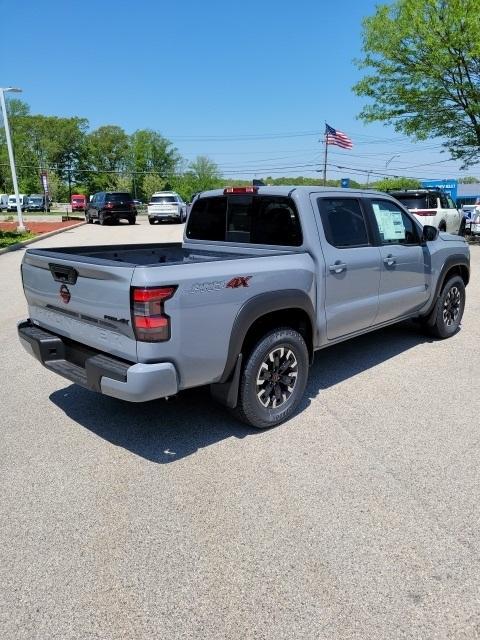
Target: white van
x=12 y=202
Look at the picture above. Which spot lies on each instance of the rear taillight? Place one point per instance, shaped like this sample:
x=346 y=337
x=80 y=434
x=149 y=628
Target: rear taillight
x=150 y=321
x=109 y=205
x=425 y=212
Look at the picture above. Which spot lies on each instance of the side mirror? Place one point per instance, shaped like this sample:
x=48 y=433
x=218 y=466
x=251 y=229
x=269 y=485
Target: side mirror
x=429 y=233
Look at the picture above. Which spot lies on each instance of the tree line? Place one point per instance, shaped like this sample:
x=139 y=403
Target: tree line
x=80 y=160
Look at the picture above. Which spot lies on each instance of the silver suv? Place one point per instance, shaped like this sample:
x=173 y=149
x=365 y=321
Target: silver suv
x=166 y=205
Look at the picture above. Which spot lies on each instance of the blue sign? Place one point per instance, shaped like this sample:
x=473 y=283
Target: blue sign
x=450 y=186
x=345 y=183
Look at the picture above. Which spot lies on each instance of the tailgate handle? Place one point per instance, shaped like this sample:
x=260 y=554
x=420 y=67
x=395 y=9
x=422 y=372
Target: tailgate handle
x=63 y=273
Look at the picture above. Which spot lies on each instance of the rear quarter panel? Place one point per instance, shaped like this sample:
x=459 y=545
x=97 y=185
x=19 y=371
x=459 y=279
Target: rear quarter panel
x=204 y=308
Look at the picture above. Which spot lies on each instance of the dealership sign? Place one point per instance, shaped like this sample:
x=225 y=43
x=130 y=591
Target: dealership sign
x=450 y=186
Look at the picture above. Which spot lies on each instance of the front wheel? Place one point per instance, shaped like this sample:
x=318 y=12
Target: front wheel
x=273 y=380
x=131 y=220
x=446 y=317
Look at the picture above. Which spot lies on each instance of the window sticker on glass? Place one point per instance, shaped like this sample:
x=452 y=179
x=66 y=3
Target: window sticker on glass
x=390 y=224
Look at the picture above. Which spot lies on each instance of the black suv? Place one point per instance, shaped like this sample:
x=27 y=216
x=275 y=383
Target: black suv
x=111 y=206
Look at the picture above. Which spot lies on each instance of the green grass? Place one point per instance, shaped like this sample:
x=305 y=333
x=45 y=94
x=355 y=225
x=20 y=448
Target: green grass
x=8 y=238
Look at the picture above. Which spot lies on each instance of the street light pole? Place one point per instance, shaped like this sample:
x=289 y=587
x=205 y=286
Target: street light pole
x=3 y=91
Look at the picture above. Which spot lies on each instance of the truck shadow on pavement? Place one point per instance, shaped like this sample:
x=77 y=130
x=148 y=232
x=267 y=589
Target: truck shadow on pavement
x=165 y=431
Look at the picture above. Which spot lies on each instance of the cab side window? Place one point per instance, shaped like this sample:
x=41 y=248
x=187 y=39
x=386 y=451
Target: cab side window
x=343 y=222
x=394 y=226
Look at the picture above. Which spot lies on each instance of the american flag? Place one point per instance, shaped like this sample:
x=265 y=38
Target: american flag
x=334 y=136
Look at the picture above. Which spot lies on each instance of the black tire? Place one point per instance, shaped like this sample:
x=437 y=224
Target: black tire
x=446 y=317
x=290 y=356
x=101 y=218
x=442 y=226
x=88 y=219
x=151 y=221
x=131 y=220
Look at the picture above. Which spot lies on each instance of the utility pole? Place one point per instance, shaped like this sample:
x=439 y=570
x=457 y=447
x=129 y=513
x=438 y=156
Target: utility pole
x=20 y=225
x=325 y=157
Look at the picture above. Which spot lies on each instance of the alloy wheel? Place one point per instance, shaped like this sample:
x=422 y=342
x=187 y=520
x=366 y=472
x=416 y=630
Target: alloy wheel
x=451 y=306
x=277 y=377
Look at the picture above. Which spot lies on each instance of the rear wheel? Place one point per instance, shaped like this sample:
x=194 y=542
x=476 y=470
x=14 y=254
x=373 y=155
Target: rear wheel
x=273 y=379
x=101 y=218
x=446 y=317
x=131 y=220
x=151 y=221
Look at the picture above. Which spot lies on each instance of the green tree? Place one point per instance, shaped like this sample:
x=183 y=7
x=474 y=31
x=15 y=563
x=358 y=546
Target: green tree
x=469 y=180
x=151 y=152
x=152 y=182
x=424 y=79
x=395 y=183
x=39 y=142
x=107 y=156
x=205 y=173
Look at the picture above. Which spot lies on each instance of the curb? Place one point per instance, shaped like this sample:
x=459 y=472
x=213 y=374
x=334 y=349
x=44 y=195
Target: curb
x=41 y=236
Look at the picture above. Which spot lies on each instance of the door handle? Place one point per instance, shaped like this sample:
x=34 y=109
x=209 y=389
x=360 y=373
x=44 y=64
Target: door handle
x=390 y=260
x=337 y=267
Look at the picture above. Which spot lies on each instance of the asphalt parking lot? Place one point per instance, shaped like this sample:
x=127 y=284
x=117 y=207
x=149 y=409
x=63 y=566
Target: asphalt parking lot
x=358 y=519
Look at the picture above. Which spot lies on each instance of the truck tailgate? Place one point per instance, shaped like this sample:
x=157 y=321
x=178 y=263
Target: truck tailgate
x=86 y=302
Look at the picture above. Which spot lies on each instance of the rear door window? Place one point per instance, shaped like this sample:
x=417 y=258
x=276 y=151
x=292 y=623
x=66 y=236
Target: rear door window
x=343 y=222
x=253 y=219
x=117 y=197
x=163 y=200
x=418 y=201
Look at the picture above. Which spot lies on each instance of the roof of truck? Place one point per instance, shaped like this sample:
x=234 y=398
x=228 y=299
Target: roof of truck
x=285 y=190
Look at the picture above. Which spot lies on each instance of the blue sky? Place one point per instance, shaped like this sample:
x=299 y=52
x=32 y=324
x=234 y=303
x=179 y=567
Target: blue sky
x=249 y=84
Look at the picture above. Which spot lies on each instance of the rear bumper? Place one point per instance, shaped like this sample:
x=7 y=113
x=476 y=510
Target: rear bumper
x=164 y=216
x=97 y=371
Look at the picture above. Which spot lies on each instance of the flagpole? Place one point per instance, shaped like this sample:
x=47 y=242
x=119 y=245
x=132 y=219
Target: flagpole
x=325 y=157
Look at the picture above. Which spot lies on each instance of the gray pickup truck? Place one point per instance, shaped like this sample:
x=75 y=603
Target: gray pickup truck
x=265 y=277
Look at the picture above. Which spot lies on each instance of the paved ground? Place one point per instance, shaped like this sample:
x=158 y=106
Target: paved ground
x=358 y=519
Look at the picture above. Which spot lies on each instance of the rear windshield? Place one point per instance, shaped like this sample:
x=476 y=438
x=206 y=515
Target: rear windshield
x=245 y=218
x=36 y=199
x=417 y=201
x=163 y=199
x=117 y=197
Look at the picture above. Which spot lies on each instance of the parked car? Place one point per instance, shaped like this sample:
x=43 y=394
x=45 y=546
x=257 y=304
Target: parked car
x=36 y=202
x=471 y=216
x=431 y=206
x=78 y=202
x=12 y=202
x=111 y=206
x=166 y=205
x=265 y=277
x=3 y=201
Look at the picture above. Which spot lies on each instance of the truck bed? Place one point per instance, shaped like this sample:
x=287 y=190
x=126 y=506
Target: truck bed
x=145 y=255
